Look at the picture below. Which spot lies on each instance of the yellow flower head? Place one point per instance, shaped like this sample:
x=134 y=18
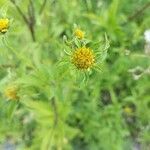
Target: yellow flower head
x=4 y=25
x=11 y=92
x=79 y=34
x=128 y=110
x=83 y=58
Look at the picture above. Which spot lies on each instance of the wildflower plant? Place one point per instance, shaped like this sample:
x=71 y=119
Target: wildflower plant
x=128 y=110
x=79 y=33
x=39 y=91
x=11 y=92
x=4 y=25
x=84 y=55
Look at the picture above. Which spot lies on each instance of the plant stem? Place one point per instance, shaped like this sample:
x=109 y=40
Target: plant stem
x=30 y=21
x=139 y=12
x=43 y=6
x=53 y=102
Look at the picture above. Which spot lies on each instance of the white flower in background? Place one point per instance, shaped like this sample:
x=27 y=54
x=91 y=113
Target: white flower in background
x=136 y=72
x=147 y=40
x=147 y=36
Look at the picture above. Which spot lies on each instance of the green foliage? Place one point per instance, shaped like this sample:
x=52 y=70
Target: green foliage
x=60 y=108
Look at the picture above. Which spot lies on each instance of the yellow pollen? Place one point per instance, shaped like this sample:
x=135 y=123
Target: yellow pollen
x=4 y=25
x=79 y=34
x=83 y=58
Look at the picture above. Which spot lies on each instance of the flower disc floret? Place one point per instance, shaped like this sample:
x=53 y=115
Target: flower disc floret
x=83 y=58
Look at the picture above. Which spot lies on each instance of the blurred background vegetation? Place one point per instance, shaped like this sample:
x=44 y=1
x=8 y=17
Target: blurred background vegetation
x=56 y=112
